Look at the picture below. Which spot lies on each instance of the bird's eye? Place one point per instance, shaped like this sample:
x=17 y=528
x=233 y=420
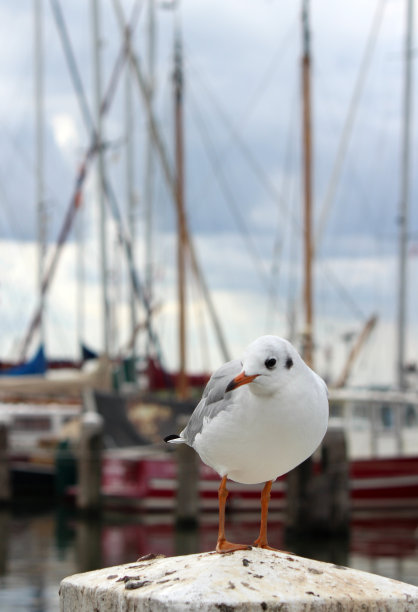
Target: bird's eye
x=270 y=363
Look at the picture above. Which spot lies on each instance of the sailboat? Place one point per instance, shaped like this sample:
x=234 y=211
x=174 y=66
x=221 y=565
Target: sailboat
x=150 y=481
x=384 y=461
x=383 y=441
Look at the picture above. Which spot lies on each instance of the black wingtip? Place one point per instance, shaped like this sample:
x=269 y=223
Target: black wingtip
x=232 y=385
x=171 y=437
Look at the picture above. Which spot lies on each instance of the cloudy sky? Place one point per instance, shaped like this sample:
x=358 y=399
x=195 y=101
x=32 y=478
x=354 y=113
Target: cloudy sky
x=243 y=176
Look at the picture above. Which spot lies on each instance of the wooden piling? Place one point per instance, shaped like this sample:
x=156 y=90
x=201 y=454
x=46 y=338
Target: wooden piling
x=329 y=490
x=320 y=502
x=297 y=507
x=187 y=496
x=89 y=463
x=5 y=484
x=88 y=543
x=245 y=580
x=5 y=531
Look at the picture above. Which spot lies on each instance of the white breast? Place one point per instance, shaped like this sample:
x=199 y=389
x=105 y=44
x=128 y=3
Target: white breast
x=260 y=439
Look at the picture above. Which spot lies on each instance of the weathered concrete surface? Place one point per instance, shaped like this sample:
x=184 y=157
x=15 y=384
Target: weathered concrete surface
x=244 y=580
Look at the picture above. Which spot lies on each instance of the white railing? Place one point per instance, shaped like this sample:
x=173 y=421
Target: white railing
x=377 y=423
x=31 y=423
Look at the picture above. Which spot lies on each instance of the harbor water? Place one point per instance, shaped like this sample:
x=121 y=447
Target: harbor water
x=41 y=545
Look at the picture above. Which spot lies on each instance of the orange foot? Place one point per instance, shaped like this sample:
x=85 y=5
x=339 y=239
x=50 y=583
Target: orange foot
x=223 y=546
x=260 y=543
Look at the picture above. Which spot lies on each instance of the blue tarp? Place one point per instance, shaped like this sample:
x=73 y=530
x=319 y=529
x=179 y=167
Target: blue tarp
x=36 y=365
x=88 y=353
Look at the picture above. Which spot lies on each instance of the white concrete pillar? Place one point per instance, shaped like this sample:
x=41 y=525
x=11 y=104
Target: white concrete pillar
x=246 y=580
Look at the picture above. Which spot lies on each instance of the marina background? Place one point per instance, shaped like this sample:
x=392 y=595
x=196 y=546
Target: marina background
x=236 y=68
x=242 y=174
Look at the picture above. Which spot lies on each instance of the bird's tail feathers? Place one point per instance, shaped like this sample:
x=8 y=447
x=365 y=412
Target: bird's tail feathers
x=174 y=439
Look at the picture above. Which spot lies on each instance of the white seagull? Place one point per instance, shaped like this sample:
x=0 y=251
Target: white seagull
x=258 y=418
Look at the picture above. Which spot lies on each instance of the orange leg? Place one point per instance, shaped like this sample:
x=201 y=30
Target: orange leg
x=261 y=541
x=222 y=545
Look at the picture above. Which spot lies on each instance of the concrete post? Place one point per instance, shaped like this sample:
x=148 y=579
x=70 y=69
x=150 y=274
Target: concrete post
x=5 y=484
x=246 y=580
x=89 y=463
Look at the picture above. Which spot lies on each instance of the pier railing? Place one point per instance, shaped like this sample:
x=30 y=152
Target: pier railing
x=377 y=423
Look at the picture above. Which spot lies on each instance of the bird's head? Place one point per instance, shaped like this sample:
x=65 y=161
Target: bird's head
x=268 y=363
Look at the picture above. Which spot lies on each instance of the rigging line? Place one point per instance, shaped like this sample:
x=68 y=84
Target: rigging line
x=123 y=56
x=89 y=123
x=11 y=218
x=272 y=66
x=168 y=175
x=270 y=70
x=72 y=64
x=256 y=167
x=291 y=302
x=273 y=303
x=279 y=240
x=138 y=288
x=124 y=235
x=277 y=196
x=75 y=203
x=344 y=294
x=228 y=194
x=28 y=161
x=349 y=121
x=199 y=315
x=50 y=269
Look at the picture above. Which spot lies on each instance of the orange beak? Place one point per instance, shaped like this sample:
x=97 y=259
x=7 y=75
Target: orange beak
x=238 y=381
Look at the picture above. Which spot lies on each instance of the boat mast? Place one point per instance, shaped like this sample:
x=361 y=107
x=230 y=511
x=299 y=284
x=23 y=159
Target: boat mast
x=149 y=166
x=403 y=217
x=160 y=152
x=307 y=173
x=100 y=168
x=130 y=196
x=181 y=386
x=39 y=163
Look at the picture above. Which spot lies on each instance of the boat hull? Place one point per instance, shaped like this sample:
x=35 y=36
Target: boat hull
x=151 y=482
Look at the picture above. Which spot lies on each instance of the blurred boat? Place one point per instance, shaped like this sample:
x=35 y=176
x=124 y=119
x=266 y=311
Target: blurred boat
x=35 y=434
x=381 y=431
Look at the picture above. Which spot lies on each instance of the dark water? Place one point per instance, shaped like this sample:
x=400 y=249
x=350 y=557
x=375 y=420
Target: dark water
x=40 y=546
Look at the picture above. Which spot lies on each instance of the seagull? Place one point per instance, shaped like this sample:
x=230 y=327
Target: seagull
x=259 y=417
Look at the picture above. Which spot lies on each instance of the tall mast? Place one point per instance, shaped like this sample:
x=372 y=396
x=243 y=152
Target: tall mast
x=130 y=197
x=307 y=173
x=404 y=201
x=39 y=163
x=181 y=220
x=80 y=279
x=149 y=163
x=100 y=169
x=168 y=176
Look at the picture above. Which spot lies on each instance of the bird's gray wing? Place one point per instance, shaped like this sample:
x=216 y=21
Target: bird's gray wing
x=213 y=401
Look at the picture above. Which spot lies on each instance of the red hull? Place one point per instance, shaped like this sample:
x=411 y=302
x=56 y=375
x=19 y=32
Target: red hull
x=384 y=483
x=150 y=483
